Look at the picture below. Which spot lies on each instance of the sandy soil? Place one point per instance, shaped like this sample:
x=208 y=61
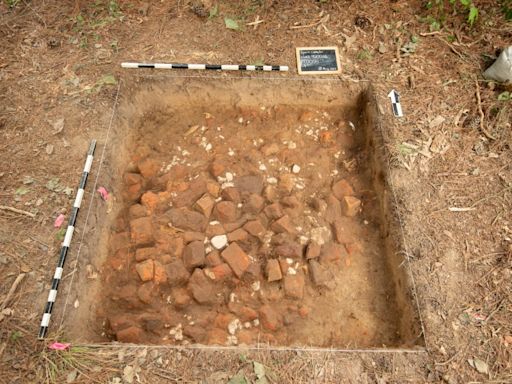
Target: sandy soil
x=450 y=170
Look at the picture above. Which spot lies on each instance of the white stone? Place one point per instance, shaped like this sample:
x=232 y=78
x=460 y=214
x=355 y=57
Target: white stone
x=240 y=120
x=321 y=235
x=233 y=326
x=263 y=167
x=219 y=241
x=296 y=168
x=291 y=271
x=256 y=286
x=272 y=180
x=229 y=176
x=256 y=322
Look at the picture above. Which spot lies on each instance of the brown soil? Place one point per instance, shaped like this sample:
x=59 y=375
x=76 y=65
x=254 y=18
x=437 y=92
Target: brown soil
x=191 y=147
x=447 y=160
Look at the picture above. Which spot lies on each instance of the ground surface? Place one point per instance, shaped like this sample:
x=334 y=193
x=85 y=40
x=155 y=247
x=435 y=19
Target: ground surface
x=450 y=171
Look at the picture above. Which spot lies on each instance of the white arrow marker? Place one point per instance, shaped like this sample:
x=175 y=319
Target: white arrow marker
x=395 y=103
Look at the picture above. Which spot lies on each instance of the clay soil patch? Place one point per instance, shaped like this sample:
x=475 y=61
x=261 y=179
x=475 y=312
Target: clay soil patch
x=247 y=212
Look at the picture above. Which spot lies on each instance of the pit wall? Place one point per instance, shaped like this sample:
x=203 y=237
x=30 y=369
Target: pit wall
x=391 y=230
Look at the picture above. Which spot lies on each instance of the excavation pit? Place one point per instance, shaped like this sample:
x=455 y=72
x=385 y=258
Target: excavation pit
x=248 y=212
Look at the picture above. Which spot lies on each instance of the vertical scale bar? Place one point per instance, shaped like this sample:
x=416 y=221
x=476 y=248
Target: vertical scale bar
x=45 y=322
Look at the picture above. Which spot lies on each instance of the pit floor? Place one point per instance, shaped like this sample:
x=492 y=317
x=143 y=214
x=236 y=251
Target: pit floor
x=174 y=147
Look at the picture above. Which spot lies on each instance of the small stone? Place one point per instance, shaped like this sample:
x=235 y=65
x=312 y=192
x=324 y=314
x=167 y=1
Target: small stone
x=320 y=275
x=137 y=211
x=205 y=205
x=215 y=229
x=148 y=168
x=217 y=168
x=213 y=258
x=304 y=311
x=333 y=210
x=350 y=206
x=150 y=200
x=145 y=270
x=238 y=235
x=286 y=183
x=176 y=273
x=274 y=211
x=291 y=202
x=142 y=254
x=295 y=168
x=226 y=211
x=213 y=188
x=254 y=203
x=331 y=252
x=201 y=287
x=194 y=255
x=132 y=178
x=255 y=228
x=231 y=194
x=146 y=292
x=160 y=275
x=270 y=149
x=186 y=219
x=294 y=286
x=273 y=270
x=283 y=225
x=131 y=334
x=180 y=297
x=219 y=242
x=247 y=314
x=190 y=236
x=313 y=251
x=237 y=259
x=196 y=189
x=338 y=230
x=289 y=250
x=141 y=231
x=341 y=189
x=221 y=272
x=270 y=319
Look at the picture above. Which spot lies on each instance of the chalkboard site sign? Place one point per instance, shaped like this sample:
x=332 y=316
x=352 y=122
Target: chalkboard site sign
x=318 y=60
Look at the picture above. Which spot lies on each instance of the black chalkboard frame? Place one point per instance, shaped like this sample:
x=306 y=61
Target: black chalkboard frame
x=299 y=64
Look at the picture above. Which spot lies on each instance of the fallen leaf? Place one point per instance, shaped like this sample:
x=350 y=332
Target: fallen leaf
x=60 y=234
x=28 y=180
x=58 y=221
x=91 y=273
x=49 y=149
x=71 y=377
x=21 y=191
x=436 y=122
x=191 y=130
x=52 y=184
x=59 y=346
x=480 y=365
x=238 y=379
x=128 y=374
x=231 y=24
x=58 y=126
x=103 y=193
x=259 y=371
